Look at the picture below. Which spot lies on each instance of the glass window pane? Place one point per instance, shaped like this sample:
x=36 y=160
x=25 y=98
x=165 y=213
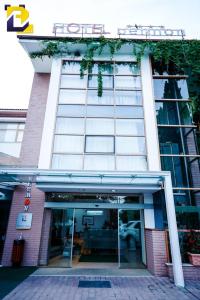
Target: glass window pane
x=170 y=89
x=99 y=126
x=73 y=81
x=127 y=69
x=130 y=163
x=130 y=145
x=20 y=136
x=71 y=67
x=99 y=144
x=107 y=97
x=7 y=136
x=166 y=113
x=170 y=140
x=68 y=162
x=12 y=149
x=130 y=82
x=105 y=69
x=21 y=126
x=99 y=162
x=176 y=165
x=72 y=96
x=128 y=97
x=70 y=125
x=107 y=81
x=8 y=125
x=67 y=144
x=71 y=110
x=185 y=113
x=100 y=111
x=129 y=127
x=129 y=112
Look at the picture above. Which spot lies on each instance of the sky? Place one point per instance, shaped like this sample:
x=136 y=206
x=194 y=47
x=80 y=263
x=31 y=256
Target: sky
x=16 y=71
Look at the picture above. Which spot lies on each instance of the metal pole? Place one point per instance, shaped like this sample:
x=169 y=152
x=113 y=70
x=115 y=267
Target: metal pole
x=173 y=233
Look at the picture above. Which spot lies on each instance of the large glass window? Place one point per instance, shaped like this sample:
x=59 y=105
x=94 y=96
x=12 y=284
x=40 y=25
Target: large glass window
x=11 y=135
x=176 y=165
x=100 y=133
x=170 y=89
x=99 y=144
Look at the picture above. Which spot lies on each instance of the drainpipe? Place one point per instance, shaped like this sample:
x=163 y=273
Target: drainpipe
x=173 y=233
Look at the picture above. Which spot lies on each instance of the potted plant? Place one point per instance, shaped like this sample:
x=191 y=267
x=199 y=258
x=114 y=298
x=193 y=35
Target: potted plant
x=194 y=246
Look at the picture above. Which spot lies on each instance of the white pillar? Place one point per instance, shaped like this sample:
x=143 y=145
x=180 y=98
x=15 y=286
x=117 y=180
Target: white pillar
x=149 y=219
x=50 y=116
x=173 y=233
x=152 y=144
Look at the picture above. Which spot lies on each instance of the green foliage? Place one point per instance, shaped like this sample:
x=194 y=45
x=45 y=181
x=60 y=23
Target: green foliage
x=183 y=53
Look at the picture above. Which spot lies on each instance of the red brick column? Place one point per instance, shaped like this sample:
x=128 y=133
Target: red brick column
x=44 y=245
x=156 y=251
x=32 y=236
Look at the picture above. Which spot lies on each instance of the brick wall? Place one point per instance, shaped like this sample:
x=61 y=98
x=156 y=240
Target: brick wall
x=29 y=157
x=31 y=236
x=189 y=271
x=43 y=255
x=156 y=252
x=30 y=148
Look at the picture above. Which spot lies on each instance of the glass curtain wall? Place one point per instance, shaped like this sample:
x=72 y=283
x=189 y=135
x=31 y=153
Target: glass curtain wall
x=100 y=133
x=176 y=131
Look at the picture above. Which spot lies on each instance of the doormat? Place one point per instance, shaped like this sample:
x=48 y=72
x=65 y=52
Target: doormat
x=100 y=258
x=94 y=284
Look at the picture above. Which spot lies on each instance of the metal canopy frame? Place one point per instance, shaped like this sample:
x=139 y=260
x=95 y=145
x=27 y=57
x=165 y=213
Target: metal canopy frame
x=148 y=179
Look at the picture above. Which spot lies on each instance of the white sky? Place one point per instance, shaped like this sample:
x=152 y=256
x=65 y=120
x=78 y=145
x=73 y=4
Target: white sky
x=16 y=71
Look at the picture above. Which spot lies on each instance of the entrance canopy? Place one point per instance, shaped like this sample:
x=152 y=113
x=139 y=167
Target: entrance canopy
x=62 y=181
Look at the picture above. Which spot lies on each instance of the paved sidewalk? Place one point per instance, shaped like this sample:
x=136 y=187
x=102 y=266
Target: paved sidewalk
x=122 y=288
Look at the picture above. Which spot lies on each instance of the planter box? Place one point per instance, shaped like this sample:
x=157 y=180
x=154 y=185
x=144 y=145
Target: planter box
x=194 y=259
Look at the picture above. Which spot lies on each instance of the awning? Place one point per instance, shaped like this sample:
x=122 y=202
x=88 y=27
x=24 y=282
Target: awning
x=84 y=181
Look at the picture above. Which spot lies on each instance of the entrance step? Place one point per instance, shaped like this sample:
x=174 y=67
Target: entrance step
x=45 y=271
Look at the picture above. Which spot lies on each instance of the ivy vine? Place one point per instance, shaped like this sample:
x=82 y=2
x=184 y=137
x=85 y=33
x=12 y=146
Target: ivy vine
x=183 y=54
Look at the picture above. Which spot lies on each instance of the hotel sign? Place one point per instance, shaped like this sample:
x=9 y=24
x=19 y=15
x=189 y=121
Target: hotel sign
x=24 y=221
x=129 y=30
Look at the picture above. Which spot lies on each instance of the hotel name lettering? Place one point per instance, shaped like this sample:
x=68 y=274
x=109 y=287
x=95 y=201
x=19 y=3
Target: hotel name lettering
x=129 y=30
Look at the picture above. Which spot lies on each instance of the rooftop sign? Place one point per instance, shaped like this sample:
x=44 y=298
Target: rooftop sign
x=128 y=31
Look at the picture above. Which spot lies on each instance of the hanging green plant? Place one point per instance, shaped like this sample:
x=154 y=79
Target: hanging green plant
x=184 y=54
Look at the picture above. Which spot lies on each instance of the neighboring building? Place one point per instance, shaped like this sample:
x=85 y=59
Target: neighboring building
x=99 y=166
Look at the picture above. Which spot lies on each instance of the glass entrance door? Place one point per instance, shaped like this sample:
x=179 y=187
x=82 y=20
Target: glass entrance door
x=62 y=228
x=130 y=242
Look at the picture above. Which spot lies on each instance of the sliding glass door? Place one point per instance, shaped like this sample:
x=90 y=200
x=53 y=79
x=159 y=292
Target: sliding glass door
x=130 y=244
x=61 y=241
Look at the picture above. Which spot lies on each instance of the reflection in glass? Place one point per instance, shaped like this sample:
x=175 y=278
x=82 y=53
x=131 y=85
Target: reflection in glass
x=170 y=140
x=130 y=241
x=176 y=165
x=71 y=68
x=166 y=113
x=62 y=227
x=170 y=89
